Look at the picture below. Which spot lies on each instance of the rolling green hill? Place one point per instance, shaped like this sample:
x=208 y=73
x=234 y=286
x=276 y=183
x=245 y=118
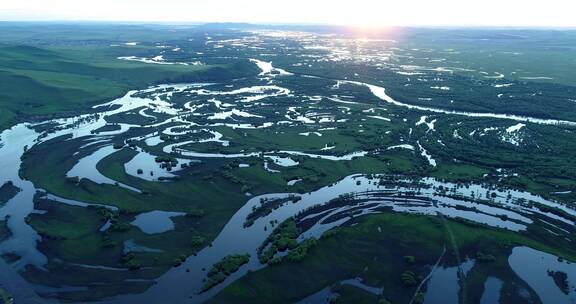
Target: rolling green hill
x=43 y=81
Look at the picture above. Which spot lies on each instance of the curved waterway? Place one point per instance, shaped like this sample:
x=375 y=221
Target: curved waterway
x=380 y=92
x=180 y=286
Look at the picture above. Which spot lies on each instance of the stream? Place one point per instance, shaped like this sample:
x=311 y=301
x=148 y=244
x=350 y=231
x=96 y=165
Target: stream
x=179 y=286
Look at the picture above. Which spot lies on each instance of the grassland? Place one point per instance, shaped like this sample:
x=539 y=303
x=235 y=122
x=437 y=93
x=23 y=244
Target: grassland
x=375 y=248
x=53 y=72
x=43 y=81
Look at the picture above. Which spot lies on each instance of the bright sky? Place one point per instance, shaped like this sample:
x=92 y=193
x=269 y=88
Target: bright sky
x=555 y=13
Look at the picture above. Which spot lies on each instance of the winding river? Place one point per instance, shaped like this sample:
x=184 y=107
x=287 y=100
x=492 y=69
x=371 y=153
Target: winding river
x=180 y=286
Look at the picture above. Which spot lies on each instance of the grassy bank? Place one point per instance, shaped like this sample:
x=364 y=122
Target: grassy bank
x=375 y=248
x=39 y=82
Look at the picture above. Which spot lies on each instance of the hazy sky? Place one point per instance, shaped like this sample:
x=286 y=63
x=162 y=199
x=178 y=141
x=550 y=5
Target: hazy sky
x=355 y=12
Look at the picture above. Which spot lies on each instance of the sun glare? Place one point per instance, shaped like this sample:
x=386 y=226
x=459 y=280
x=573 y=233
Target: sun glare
x=364 y=14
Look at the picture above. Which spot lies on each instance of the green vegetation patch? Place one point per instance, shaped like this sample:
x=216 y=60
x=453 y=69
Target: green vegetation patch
x=44 y=81
x=221 y=270
x=5 y=297
x=7 y=192
x=67 y=222
x=389 y=250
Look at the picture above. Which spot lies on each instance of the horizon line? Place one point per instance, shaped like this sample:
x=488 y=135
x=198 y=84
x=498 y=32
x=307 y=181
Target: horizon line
x=196 y=23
